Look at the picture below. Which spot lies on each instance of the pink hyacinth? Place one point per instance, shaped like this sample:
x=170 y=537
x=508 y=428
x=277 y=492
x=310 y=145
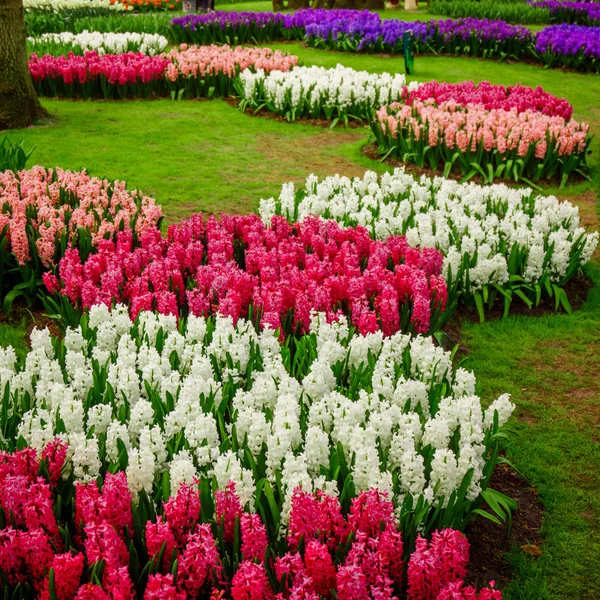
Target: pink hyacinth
x=433 y=565
x=198 y=561
x=68 y=569
x=371 y=513
x=227 y=510
x=161 y=587
x=126 y=68
x=491 y=96
x=182 y=512
x=251 y=583
x=280 y=274
x=254 y=537
x=316 y=516
x=157 y=535
x=200 y=61
x=472 y=126
x=56 y=203
x=90 y=591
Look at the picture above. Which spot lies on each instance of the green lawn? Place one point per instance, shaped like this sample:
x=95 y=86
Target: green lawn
x=207 y=156
x=194 y=156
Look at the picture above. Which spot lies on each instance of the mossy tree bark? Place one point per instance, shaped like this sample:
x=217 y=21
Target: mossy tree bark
x=19 y=104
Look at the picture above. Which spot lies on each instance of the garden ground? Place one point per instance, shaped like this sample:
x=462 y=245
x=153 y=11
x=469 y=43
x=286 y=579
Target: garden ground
x=207 y=156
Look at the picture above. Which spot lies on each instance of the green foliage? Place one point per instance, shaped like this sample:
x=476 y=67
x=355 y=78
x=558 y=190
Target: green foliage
x=39 y=23
x=13 y=156
x=511 y=12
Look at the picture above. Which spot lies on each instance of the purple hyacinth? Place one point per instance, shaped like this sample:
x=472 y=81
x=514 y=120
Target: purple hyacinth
x=569 y=40
x=570 y=12
x=483 y=29
x=227 y=19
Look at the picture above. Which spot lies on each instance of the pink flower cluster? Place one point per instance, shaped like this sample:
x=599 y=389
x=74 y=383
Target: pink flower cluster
x=279 y=274
x=492 y=96
x=200 y=61
x=121 y=69
x=358 y=556
x=466 y=128
x=50 y=204
x=31 y=534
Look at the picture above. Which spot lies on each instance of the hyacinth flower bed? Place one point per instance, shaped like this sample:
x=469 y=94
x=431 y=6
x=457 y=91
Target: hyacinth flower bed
x=471 y=37
x=570 y=46
x=73 y=8
x=491 y=96
x=580 y=13
x=318 y=93
x=275 y=276
x=44 y=212
x=103 y=43
x=228 y=27
x=95 y=542
x=207 y=400
x=195 y=71
x=489 y=143
x=498 y=243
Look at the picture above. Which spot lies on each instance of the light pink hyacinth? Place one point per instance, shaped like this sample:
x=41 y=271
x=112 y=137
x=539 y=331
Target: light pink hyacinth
x=52 y=202
x=466 y=127
x=199 y=61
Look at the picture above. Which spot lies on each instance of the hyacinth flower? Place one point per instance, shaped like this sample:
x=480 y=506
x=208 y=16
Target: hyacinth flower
x=276 y=276
x=490 y=143
x=570 y=46
x=43 y=212
x=358 y=553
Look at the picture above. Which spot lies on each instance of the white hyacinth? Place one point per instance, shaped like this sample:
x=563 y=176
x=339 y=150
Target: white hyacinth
x=103 y=43
x=479 y=225
x=59 y=6
x=215 y=400
x=310 y=88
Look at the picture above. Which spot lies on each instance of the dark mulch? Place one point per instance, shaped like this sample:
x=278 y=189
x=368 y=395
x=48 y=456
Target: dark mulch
x=370 y=151
x=490 y=541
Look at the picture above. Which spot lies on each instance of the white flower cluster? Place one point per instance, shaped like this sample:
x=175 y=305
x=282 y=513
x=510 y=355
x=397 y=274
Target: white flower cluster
x=311 y=88
x=103 y=43
x=59 y=6
x=473 y=225
x=195 y=400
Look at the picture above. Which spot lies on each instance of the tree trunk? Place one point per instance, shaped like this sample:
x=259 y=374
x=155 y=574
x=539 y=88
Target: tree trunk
x=19 y=105
x=296 y=4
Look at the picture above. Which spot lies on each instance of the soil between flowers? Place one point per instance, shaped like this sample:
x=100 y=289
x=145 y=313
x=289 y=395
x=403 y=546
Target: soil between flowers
x=490 y=542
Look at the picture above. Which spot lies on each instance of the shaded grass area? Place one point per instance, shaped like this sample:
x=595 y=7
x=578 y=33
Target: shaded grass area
x=194 y=156
x=551 y=366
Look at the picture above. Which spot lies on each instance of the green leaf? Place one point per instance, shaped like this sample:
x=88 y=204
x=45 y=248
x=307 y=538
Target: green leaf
x=479 y=304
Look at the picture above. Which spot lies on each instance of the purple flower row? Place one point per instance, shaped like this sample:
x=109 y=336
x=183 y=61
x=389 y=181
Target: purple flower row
x=584 y=13
x=572 y=46
x=363 y=31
